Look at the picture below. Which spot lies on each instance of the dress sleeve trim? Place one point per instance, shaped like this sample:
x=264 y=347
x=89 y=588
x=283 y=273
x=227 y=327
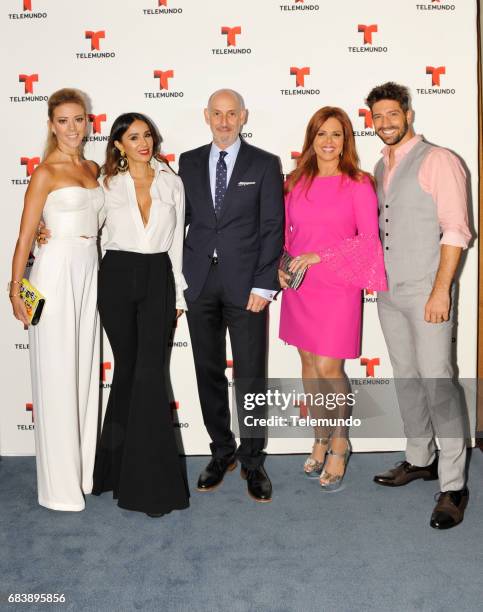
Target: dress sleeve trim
x=357 y=261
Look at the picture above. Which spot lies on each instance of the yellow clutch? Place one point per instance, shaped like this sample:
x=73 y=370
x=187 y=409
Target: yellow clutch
x=34 y=301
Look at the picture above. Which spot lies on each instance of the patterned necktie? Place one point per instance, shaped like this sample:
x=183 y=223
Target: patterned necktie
x=220 y=181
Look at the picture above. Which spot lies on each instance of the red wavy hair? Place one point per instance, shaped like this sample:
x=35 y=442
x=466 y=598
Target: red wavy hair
x=307 y=168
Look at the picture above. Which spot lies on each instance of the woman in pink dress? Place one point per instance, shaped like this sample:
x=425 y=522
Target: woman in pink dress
x=332 y=231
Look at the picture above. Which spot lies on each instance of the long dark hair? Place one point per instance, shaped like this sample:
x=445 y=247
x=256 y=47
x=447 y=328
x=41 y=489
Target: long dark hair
x=118 y=129
x=307 y=168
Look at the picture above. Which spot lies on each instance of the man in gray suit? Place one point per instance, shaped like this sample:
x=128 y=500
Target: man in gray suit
x=424 y=228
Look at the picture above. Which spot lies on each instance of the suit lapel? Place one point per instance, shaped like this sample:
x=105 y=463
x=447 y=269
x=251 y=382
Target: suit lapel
x=204 y=175
x=241 y=164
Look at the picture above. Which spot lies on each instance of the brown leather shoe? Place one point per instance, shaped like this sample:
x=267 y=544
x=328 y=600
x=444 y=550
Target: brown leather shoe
x=450 y=509
x=404 y=472
x=212 y=476
x=259 y=486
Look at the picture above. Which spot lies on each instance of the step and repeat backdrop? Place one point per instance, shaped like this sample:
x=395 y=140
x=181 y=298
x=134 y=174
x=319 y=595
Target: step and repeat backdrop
x=287 y=58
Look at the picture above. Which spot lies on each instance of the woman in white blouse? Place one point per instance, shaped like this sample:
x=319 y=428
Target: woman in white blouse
x=140 y=294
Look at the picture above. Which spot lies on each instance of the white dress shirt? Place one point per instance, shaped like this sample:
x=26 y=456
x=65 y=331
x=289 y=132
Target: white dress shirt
x=230 y=159
x=164 y=231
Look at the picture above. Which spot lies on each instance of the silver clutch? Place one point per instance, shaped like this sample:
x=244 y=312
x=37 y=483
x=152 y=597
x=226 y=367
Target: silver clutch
x=296 y=278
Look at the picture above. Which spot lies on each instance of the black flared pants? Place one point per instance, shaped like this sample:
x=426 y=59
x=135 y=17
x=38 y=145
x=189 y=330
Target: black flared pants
x=137 y=456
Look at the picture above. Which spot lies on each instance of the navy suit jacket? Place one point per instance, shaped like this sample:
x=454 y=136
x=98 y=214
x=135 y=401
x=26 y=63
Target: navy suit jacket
x=247 y=233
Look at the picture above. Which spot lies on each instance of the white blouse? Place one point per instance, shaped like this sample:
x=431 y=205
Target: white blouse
x=164 y=231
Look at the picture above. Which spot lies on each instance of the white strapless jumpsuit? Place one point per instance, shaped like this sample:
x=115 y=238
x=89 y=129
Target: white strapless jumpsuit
x=65 y=348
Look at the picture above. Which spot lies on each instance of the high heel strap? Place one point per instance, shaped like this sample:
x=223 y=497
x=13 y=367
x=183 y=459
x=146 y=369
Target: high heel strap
x=334 y=454
x=331 y=482
x=347 y=451
x=313 y=467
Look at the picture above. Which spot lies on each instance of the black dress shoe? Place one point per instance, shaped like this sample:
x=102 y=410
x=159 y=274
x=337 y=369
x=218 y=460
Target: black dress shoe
x=212 y=476
x=258 y=483
x=450 y=509
x=404 y=472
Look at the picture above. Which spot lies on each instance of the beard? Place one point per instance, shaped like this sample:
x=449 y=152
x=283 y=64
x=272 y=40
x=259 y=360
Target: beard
x=394 y=138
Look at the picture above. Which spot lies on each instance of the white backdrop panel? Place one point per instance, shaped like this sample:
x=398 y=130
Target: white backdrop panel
x=47 y=38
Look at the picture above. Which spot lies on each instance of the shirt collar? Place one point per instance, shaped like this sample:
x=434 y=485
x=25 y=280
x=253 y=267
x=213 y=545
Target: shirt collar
x=232 y=150
x=403 y=149
x=158 y=166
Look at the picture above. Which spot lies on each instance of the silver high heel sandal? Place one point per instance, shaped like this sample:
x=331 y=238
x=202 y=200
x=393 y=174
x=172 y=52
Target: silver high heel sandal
x=332 y=482
x=312 y=467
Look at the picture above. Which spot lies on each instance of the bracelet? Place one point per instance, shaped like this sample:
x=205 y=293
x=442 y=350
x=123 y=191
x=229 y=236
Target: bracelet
x=13 y=282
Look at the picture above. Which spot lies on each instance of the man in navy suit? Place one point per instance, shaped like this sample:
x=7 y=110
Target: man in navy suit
x=235 y=213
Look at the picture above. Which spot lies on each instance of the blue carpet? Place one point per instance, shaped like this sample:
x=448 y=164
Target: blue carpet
x=363 y=548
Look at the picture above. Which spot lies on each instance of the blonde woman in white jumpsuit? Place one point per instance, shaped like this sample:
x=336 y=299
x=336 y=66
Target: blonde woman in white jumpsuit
x=64 y=346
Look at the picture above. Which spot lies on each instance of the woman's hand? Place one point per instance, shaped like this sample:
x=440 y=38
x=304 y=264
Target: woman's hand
x=179 y=312
x=303 y=261
x=42 y=234
x=283 y=278
x=19 y=310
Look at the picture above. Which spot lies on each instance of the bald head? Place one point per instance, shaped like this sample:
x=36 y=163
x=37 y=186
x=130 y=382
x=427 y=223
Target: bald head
x=225 y=114
x=235 y=97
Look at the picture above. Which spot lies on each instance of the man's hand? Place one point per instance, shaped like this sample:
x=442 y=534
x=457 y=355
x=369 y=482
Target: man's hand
x=439 y=302
x=303 y=261
x=42 y=234
x=179 y=312
x=283 y=278
x=437 y=307
x=256 y=303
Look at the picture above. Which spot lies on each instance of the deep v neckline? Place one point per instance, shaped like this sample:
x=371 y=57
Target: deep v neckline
x=138 y=207
x=143 y=221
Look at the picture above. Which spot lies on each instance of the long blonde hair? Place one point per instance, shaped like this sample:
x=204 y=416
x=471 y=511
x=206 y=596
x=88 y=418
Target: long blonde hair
x=61 y=96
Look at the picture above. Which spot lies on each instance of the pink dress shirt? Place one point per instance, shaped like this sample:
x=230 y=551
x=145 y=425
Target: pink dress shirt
x=442 y=176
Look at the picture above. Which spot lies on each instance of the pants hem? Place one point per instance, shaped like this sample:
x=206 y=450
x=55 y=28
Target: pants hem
x=62 y=507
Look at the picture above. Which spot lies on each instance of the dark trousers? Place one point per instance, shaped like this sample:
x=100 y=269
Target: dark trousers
x=137 y=456
x=209 y=316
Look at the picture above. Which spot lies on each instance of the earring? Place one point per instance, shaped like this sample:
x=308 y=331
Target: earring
x=123 y=163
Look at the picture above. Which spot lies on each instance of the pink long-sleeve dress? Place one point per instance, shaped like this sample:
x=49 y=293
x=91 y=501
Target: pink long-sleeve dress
x=337 y=218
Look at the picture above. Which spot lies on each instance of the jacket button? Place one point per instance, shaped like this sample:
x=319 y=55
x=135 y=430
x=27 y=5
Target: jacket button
x=387 y=248
x=387 y=205
x=387 y=234
x=387 y=220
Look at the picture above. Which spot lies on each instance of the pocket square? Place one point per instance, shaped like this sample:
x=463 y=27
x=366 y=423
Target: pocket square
x=246 y=183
